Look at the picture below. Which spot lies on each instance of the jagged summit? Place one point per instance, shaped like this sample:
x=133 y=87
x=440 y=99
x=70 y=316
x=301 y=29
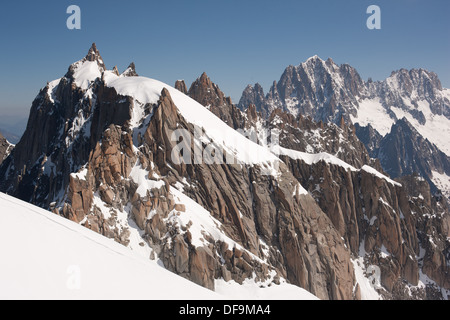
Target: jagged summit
x=314 y=58
x=130 y=71
x=94 y=55
x=181 y=86
x=86 y=70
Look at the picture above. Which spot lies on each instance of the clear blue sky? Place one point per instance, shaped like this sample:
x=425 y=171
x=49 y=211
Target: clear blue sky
x=235 y=42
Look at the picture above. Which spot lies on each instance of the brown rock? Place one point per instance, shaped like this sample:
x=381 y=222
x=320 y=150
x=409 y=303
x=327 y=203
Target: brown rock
x=181 y=86
x=202 y=267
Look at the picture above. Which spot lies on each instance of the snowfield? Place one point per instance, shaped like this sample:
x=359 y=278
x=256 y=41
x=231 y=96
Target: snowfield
x=436 y=129
x=372 y=112
x=45 y=256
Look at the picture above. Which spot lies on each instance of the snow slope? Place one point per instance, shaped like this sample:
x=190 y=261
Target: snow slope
x=436 y=129
x=146 y=90
x=45 y=256
x=313 y=158
x=372 y=112
x=442 y=181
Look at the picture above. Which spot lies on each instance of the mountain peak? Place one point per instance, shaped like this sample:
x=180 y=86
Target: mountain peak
x=94 y=54
x=204 y=77
x=130 y=71
x=180 y=85
x=85 y=71
x=314 y=58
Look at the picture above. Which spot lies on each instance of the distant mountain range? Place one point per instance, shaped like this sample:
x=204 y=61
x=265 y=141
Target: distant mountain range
x=404 y=120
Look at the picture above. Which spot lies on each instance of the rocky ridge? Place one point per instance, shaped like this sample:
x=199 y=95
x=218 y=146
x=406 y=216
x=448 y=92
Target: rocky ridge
x=368 y=211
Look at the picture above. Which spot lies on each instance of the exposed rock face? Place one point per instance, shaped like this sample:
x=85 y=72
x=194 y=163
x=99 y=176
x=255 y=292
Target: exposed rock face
x=317 y=88
x=84 y=157
x=181 y=86
x=391 y=225
x=368 y=212
x=370 y=137
x=130 y=71
x=303 y=134
x=433 y=229
x=253 y=96
x=274 y=218
x=404 y=151
x=207 y=93
x=5 y=148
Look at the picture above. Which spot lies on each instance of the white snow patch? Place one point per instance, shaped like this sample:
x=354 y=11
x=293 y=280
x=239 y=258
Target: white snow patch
x=310 y=158
x=251 y=290
x=52 y=86
x=442 y=181
x=140 y=177
x=81 y=174
x=85 y=73
x=368 y=292
x=380 y=175
x=372 y=112
x=436 y=129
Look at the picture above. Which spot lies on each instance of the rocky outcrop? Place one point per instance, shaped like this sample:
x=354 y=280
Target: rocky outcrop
x=305 y=135
x=370 y=138
x=404 y=151
x=433 y=229
x=208 y=94
x=181 y=86
x=226 y=191
x=130 y=71
x=390 y=225
x=253 y=96
x=342 y=195
x=5 y=148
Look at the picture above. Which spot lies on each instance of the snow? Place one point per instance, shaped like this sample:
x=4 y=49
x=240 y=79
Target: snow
x=81 y=174
x=201 y=221
x=45 y=256
x=298 y=190
x=258 y=291
x=442 y=181
x=379 y=175
x=368 y=291
x=311 y=159
x=85 y=73
x=52 y=86
x=140 y=177
x=436 y=128
x=147 y=90
x=384 y=252
x=372 y=112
